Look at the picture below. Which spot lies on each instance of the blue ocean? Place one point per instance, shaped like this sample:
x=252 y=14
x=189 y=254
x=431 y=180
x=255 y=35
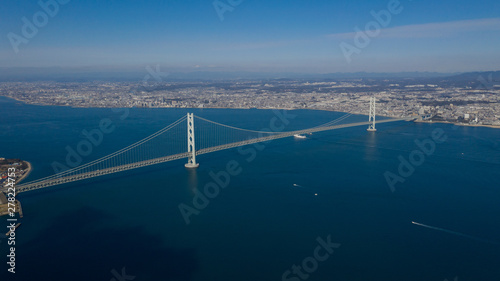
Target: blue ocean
x=338 y=205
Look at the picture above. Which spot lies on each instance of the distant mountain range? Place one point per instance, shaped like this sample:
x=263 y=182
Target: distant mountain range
x=135 y=75
x=495 y=75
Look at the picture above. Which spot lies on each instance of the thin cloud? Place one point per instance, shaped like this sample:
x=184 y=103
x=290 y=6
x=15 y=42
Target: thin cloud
x=430 y=30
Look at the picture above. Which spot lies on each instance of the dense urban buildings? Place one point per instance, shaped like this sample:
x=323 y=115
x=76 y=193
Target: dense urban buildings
x=474 y=104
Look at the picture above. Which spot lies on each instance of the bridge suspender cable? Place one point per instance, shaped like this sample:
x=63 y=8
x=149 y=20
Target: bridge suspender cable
x=266 y=132
x=328 y=124
x=231 y=127
x=165 y=129
x=141 y=157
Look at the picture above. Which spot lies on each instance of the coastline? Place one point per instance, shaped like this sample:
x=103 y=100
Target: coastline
x=30 y=168
x=461 y=124
x=242 y=108
x=357 y=113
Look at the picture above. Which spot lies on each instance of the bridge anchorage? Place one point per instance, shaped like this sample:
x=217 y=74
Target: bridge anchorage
x=371 y=117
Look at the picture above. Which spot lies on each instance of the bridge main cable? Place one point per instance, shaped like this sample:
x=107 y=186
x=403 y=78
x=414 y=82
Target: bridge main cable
x=109 y=156
x=291 y=133
x=231 y=127
x=60 y=179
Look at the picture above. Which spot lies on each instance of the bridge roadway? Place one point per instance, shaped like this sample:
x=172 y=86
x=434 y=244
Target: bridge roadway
x=88 y=175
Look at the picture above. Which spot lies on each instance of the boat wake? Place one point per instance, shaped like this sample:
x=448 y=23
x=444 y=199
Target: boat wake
x=456 y=233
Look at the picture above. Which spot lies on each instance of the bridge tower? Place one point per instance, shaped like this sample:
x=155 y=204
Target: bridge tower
x=371 y=118
x=191 y=148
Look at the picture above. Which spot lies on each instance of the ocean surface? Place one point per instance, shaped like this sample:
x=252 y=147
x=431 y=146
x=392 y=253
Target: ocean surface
x=270 y=217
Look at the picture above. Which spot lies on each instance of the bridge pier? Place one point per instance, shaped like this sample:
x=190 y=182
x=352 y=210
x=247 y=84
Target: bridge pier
x=191 y=164
x=371 y=118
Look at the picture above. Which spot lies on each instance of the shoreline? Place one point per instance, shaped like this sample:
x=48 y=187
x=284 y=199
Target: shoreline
x=242 y=108
x=460 y=124
x=357 y=113
x=30 y=168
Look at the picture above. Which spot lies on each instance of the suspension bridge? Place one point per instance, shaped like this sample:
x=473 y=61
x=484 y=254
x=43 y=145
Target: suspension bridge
x=169 y=144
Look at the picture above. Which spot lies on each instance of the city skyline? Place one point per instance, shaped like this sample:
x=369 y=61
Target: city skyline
x=257 y=36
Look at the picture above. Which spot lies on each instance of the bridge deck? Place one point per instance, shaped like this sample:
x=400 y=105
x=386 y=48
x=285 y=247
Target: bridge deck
x=66 y=179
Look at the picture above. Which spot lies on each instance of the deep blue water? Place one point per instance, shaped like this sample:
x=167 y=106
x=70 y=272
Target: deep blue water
x=268 y=218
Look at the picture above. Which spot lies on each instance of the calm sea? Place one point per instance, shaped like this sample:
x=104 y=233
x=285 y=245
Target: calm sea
x=270 y=216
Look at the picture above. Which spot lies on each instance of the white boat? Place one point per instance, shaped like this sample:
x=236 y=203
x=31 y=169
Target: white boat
x=300 y=136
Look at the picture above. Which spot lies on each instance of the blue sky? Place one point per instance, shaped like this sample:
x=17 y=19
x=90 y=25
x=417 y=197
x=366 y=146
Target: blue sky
x=257 y=35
